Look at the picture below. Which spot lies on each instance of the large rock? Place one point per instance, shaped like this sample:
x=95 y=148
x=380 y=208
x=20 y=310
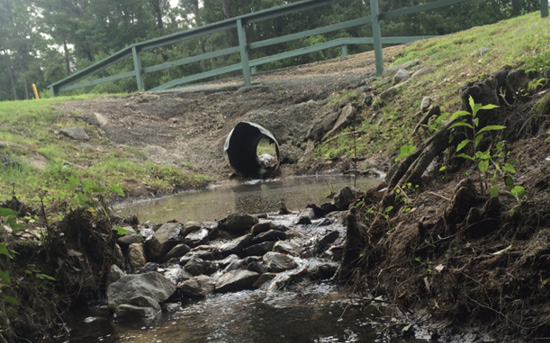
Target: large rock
x=236 y=280
x=115 y=274
x=345 y=197
x=259 y=249
x=198 y=286
x=345 y=118
x=140 y=307
x=271 y=235
x=176 y=274
x=287 y=247
x=164 y=239
x=261 y=227
x=136 y=255
x=76 y=133
x=177 y=251
x=235 y=246
x=130 y=238
x=196 y=238
x=277 y=262
x=151 y=284
x=238 y=223
x=197 y=266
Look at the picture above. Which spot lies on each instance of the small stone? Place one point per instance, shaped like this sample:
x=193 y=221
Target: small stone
x=76 y=133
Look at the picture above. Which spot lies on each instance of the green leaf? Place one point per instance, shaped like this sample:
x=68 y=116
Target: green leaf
x=479 y=137
x=471 y=102
x=468 y=157
x=518 y=192
x=462 y=144
x=442 y=168
x=388 y=209
x=500 y=146
x=120 y=230
x=117 y=189
x=494 y=192
x=488 y=107
x=45 y=276
x=461 y=124
x=460 y=114
x=11 y=300
x=6 y=212
x=491 y=128
x=509 y=168
x=509 y=182
x=483 y=155
x=4 y=251
x=5 y=276
x=483 y=165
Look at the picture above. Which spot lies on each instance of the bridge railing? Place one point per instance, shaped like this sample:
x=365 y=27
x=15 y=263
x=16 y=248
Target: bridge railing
x=81 y=79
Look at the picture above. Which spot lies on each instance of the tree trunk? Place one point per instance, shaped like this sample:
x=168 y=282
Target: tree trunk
x=67 y=57
x=225 y=6
x=23 y=71
x=12 y=81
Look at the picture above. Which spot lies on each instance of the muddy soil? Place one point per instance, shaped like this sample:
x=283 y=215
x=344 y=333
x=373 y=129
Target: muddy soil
x=187 y=127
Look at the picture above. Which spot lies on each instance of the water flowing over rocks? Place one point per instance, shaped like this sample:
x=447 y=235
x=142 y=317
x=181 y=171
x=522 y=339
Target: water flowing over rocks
x=240 y=252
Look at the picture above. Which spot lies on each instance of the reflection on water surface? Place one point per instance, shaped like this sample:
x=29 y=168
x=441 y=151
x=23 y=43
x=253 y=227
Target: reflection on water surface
x=259 y=196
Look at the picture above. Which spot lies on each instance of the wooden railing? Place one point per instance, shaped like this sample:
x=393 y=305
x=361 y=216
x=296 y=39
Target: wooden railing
x=79 y=79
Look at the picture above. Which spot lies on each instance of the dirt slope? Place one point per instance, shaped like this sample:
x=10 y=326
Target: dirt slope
x=187 y=127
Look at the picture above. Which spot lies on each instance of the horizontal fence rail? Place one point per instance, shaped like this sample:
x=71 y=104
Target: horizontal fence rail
x=78 y=79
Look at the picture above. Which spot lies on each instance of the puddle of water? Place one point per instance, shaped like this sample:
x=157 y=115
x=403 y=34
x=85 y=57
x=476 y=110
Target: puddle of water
x=259 y=196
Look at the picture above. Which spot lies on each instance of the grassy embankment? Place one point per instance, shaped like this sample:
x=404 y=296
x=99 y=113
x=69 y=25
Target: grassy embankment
x=456 y=60
x=38 y=162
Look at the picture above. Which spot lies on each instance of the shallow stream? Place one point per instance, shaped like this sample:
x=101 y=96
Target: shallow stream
x=318 y=312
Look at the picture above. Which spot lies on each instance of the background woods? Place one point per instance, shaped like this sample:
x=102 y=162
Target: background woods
x=43 y=41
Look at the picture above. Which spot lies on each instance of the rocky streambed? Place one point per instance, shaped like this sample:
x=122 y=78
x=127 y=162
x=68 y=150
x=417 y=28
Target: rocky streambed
x=171 y=263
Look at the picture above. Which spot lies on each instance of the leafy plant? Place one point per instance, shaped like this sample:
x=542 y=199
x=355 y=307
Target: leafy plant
x=10 y=217
x=488 y=166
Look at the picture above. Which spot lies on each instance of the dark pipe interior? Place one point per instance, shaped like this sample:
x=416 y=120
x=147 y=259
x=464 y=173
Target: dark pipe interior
x=241 y=149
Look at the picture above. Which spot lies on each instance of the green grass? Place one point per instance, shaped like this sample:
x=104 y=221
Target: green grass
x=510 y=42
x=35 y=161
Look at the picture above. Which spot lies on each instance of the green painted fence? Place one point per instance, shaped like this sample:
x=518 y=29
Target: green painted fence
x=80 y=79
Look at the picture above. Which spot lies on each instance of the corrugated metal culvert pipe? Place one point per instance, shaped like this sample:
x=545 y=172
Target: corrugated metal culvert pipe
x=251 y=150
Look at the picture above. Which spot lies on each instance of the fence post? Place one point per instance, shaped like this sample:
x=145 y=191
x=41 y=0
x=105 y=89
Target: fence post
x=544 y=8
x=344 y=50
x=244 y=52
x=138 y=69
x=377 y=36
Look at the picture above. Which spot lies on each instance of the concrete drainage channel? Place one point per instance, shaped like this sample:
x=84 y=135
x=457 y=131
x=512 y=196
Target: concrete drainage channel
x=251 y=150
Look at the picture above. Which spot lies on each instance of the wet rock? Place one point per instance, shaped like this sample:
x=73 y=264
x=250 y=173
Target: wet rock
x=127 y=312
x=322 y=271
x=286 y=247
x=76 y=133
x=259 y=249
x=178 y=251
x=204 y=252
x=197 y=287
x=129 y=239
x=190 y=227
x=257 y=266
x=345 y=197
x=236 y=245
x=136 y=255
x=177 y=274
x=196 y=238
x=271 y=235
x=261 y=227
x=197 y=266
x=148 y=267
x=326 y=240
x=115 y=274
x=151 y=284
x=164 y=239
x=228 y=260
x=277 y=262
x=263 y=279
x=238 y=223
x=305 y=217
x=236 y=280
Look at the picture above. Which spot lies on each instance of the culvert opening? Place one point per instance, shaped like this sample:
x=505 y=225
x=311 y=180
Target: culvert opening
x=251 y=150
